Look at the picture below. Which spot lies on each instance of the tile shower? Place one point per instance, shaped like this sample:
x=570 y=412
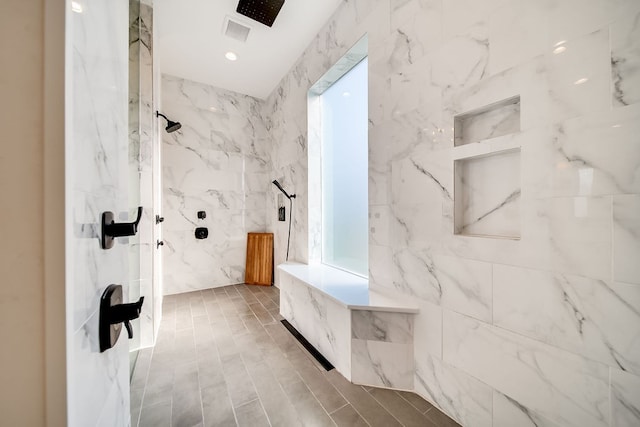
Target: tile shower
x=503 y=187
x=541 y=327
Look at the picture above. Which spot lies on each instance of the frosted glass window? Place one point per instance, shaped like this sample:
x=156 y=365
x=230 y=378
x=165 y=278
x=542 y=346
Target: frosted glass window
x=344 y=117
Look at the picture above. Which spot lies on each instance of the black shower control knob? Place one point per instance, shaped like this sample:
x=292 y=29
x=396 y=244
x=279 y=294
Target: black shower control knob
x=113 y=313
x=202 y=233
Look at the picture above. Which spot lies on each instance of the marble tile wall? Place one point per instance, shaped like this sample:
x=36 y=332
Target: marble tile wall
x=536 y=331
x=141 y=119
x=216 y=163
x=97 y=180
x=382 y=349
x=321 y=320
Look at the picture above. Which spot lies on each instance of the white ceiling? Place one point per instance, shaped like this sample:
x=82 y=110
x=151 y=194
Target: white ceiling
x=191 y=43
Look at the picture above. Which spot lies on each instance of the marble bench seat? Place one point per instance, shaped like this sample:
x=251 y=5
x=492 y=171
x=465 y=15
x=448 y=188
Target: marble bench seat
x=366 y=335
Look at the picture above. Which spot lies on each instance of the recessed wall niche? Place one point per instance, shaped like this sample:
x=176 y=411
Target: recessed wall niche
x=487 y=186
x=498 y=119
x=487 y=195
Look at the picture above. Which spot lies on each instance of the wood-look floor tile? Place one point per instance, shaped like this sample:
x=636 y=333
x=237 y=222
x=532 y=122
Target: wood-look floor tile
x=362 y=402
x=440 y=419
x=402 y=410
x=158 y=415
x=348 y=417
x=223 y=358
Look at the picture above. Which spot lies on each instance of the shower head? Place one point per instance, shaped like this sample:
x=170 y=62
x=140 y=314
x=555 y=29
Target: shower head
x=277 y=184
x=171 y=125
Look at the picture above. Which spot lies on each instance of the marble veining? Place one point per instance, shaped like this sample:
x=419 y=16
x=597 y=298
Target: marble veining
x=625 y=62
x=97 y=180
x=571 y=312
x=550 y=373
x=569 y=200
x=381 y=326
x=508 y=412
x=626 y=238
x=625 y=403
x=466 y=399
x=215 y=163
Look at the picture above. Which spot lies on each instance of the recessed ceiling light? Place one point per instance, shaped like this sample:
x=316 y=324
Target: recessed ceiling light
x=346 y=94
x=559 y=49
x=231 y=56
x=580 y=81
x=76 y=7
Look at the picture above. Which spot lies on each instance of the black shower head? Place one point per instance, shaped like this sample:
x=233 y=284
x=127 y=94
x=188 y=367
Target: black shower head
x=277 y=184
x=171 y=125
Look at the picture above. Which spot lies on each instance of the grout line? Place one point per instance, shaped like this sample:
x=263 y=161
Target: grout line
x=385 y=408
x=412 y=405
x=343 y=406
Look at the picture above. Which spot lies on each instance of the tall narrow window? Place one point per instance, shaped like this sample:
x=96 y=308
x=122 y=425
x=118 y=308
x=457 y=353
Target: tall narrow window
x=344 y=141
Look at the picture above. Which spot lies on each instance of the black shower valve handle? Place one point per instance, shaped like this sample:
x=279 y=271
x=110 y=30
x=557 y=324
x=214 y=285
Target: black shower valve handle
x=112 y=313
x=125 y=313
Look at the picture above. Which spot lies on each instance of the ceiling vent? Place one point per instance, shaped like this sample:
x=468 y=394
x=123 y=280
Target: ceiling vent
x=263 y=11
x=236 y=30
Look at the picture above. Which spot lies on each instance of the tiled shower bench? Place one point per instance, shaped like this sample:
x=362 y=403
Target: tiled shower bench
x=366 y=335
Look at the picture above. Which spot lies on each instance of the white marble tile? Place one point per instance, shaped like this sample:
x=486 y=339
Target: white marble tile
x=421 y=182
x=570 y=159
x=97 y=181
x=95 y=378
x=461 y=62
x=421 y=76
x=413 y=275
x=626 y=238
x=418 y=27
x=561 y=386
x=571 y=18
x=579 y=77
x=585 y=316
x=215 y=163
x=382 y=364
x=460 y=17
x=462 y=397
x=427 y=331
x=319 y=319
x=466 y=286
x=508 y=412
x=518 y=32
x=382 y=326
x=625 y=400
x=625 y=62
x=379 y=220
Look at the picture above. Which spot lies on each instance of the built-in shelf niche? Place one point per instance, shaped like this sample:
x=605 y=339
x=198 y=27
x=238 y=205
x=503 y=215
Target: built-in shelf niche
x=487 y=195
x=487 y=189
x=498 y=119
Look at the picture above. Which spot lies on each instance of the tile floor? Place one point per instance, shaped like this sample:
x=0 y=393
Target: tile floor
x=224 y=359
